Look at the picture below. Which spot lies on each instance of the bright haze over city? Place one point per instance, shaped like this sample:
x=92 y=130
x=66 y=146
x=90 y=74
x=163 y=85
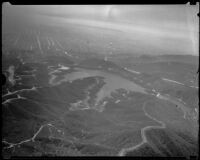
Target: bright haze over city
x=171 y=28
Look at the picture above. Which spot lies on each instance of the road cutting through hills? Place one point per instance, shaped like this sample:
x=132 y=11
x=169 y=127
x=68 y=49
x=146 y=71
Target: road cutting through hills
x=161 y=126
x=143 y=131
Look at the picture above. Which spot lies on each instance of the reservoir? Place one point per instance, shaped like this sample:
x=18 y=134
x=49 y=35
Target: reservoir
x=112 y=81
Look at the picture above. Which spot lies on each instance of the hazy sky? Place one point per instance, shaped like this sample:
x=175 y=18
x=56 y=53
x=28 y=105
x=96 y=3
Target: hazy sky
x=174 y=26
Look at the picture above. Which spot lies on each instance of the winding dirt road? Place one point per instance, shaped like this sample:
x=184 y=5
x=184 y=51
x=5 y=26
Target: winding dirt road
x=143 y=131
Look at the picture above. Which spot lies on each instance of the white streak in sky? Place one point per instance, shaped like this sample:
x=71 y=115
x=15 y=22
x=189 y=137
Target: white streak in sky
x=51 y=39
x=15 y=43
x=38 y=40
x=49 y=44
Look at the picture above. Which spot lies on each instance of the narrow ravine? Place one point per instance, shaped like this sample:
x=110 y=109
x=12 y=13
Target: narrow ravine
x=21 y=90
x=32 y=139
x=24 y=141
